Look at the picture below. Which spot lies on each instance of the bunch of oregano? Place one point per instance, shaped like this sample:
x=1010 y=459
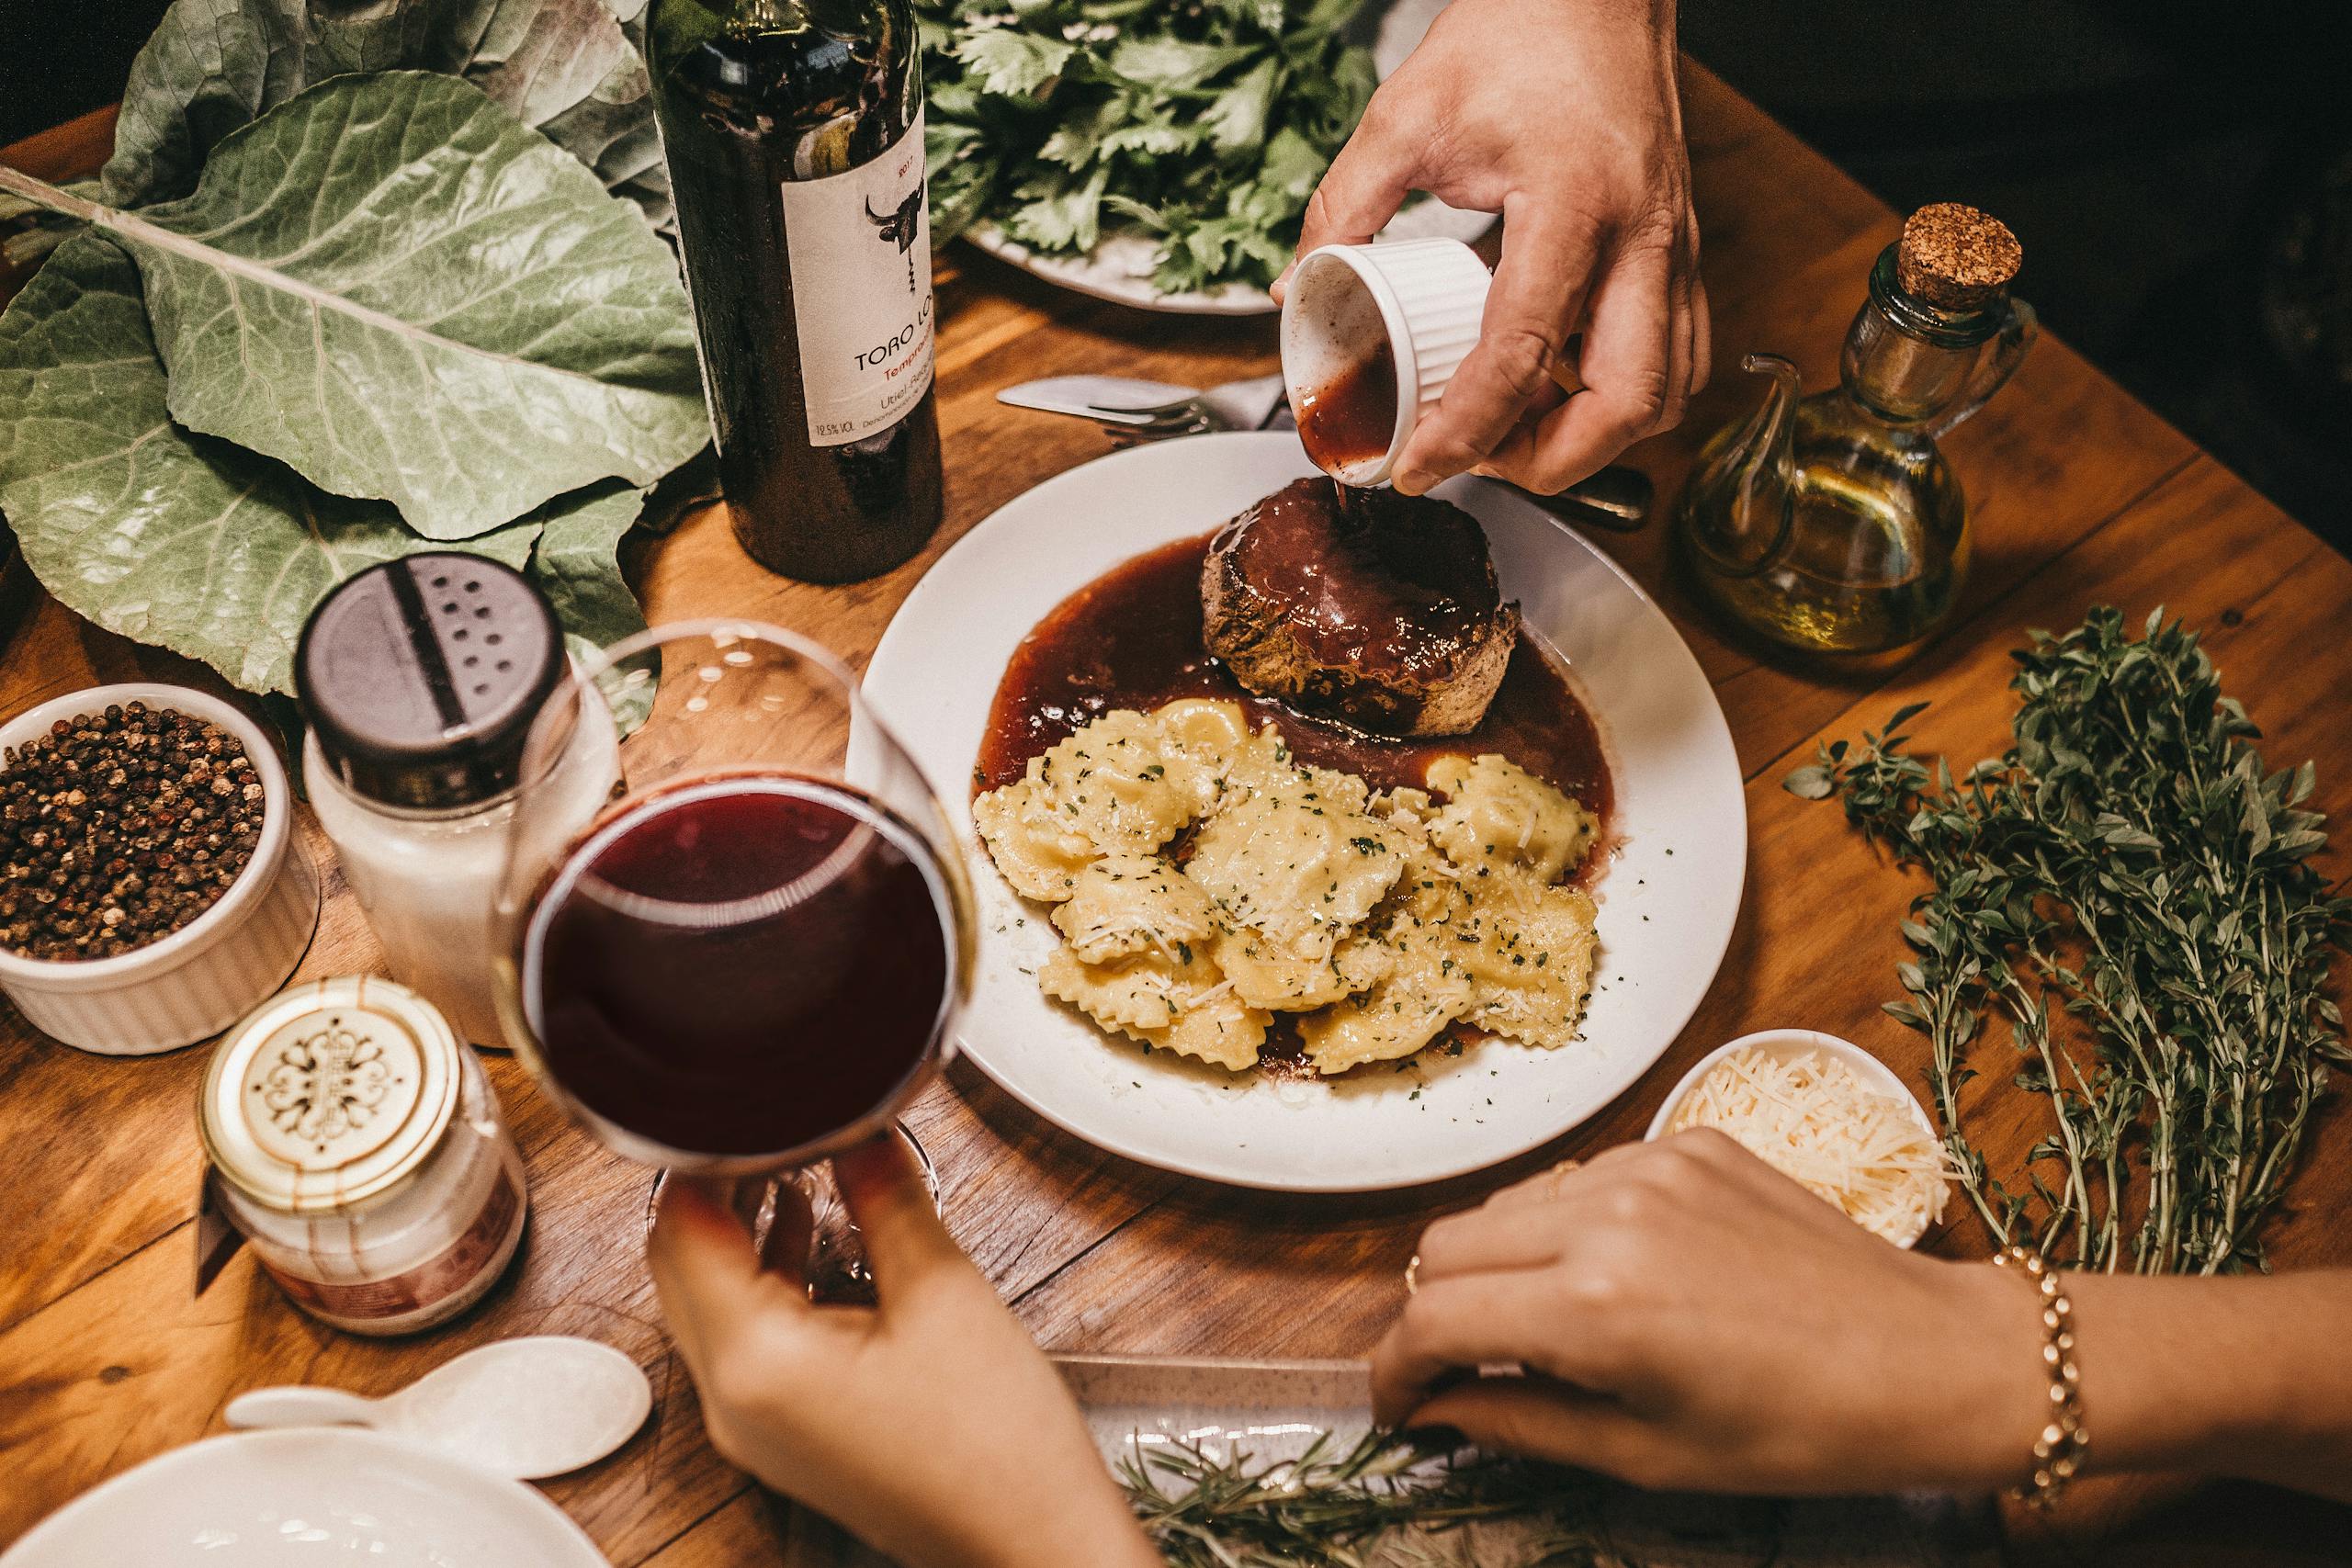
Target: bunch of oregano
x=2129 y=890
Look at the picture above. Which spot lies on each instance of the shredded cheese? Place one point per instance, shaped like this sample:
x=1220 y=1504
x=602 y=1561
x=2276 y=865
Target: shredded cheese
x=1812 y=1118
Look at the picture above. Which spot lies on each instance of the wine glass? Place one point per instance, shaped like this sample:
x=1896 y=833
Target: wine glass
x=747 y=954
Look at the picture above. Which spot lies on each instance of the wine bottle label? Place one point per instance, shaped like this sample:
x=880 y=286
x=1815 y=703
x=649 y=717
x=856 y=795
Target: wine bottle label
x=860 y=249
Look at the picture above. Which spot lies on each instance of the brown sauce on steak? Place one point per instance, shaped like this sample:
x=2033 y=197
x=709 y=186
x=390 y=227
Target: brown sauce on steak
x=1390 y=586
x=1132 y=639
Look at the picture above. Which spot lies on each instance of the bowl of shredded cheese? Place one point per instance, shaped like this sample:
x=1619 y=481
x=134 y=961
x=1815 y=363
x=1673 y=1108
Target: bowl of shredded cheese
x=1828 y=1115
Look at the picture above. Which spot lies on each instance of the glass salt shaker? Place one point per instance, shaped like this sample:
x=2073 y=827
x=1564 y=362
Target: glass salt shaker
x=358 y=1148
x=420 y=678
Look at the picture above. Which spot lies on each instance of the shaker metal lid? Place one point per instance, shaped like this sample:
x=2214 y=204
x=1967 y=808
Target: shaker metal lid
x=329 y=1094
x=421 y=677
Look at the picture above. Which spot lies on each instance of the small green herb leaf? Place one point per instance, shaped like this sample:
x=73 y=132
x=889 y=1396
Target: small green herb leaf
x=1009 y=61
x=1814 y=783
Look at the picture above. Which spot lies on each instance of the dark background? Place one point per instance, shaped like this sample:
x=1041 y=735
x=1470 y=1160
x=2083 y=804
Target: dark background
x=2180 y=175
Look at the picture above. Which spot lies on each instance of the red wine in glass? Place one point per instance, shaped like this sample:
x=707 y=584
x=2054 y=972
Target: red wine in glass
x=745 y=969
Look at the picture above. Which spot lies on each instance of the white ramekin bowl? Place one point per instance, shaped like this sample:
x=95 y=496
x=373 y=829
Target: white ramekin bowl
x=1427 y=297
x=1782 y=1044
x=212 y=971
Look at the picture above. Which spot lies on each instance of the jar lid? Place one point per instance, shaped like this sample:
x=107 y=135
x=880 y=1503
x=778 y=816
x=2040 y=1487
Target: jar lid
x=328 y=1093
x=421 y=677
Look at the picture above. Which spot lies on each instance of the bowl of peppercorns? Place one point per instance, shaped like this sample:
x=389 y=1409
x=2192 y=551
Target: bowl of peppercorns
x=153 y=888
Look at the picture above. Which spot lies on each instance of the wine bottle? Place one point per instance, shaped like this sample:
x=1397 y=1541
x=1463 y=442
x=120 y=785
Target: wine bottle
x=794 y=133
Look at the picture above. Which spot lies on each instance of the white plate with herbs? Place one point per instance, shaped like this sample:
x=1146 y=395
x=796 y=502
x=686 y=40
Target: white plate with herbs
x=1668 y=896
x=1120 y=266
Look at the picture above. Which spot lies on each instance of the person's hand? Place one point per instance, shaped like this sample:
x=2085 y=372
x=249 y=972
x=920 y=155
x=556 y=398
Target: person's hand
x=1688 y=1317
x=928 y=1426
x=1563 y=116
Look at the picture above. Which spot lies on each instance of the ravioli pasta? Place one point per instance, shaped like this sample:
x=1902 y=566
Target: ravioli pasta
x=1178 y=1004
x=1294 y=862
x=1116 y=787
x=1204 y=881
x=1128 y=904
x=1498 y=816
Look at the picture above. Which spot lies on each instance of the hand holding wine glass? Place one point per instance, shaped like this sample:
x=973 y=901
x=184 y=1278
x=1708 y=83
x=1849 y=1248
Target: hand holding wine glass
x=928 y=1424
x=753 y=960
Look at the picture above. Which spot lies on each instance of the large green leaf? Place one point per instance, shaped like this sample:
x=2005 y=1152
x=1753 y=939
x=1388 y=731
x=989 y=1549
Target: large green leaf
x=564 y=67
x=576 y=563
x=390 y=284
x=175 y=538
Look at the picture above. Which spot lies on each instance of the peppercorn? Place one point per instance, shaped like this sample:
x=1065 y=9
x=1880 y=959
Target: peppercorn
x=119 y=827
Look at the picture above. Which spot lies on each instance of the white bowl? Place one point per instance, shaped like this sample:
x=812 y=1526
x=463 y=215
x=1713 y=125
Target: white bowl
x=1427 y=298
x=1784 y=1044
x=211 y=972
x=309 y=1498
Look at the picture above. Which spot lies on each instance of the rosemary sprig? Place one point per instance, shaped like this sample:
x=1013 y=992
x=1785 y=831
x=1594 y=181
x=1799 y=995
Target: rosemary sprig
x=2130 y=865
x=1386 y=1501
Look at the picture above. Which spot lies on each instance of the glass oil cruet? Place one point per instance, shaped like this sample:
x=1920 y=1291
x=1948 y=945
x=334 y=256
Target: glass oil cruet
x=1831 y=524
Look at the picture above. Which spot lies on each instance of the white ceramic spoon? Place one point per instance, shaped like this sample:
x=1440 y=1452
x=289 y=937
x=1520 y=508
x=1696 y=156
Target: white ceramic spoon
x=526 y=1408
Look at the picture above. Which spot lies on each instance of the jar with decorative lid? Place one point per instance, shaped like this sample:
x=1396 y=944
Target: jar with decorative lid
x=359 y=1147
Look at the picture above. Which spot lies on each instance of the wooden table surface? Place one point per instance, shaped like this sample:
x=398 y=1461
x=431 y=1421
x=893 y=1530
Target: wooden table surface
x=2080 y=495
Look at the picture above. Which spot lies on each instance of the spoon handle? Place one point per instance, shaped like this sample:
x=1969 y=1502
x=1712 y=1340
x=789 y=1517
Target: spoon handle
x=295 y=1407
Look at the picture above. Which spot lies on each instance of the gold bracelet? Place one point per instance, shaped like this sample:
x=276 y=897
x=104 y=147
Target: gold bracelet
x=2058 y=1449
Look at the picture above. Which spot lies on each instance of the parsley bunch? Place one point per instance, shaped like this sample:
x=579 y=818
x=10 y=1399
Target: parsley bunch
x=2130 y=889
x=1203 y=123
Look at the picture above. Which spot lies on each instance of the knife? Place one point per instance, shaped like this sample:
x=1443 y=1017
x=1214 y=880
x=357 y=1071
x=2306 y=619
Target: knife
x=1250 y=404
x=1617 y=498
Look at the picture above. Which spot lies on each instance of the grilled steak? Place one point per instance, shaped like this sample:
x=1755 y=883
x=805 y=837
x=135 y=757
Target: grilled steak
x=1363 y=605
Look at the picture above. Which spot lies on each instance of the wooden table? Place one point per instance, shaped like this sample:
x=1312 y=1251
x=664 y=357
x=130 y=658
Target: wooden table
x=2081 y=496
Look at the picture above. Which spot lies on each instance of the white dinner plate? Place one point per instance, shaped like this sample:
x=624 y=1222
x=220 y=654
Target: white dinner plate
x=1120 y=266
x=300 y=1498
x=1668 y=898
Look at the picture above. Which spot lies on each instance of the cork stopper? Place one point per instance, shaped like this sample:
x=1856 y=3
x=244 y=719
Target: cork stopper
x=1955 y=257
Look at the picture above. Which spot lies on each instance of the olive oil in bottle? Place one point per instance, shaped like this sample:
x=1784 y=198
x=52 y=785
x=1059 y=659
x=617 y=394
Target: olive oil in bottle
x=794 y=134
x=1832 y=523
